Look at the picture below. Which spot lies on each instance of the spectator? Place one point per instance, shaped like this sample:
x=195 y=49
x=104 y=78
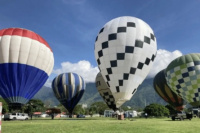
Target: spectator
x=146 y=115
x=52 y=116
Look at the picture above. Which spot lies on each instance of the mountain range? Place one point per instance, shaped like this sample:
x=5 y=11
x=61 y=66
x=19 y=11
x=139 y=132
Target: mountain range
x=144 y=96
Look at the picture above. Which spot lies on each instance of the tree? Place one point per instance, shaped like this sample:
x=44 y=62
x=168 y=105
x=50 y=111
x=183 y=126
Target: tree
x=98 y=107
x=157 y=110
x=5 y=108
x=62 y=108
x=171 y=109
x=34 y=105
x=78 y=110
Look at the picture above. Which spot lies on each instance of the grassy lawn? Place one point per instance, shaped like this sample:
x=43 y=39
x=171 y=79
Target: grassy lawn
x=101 y=125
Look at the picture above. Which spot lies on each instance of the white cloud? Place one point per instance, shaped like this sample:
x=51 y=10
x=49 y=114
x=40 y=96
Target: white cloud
x=48 y=83
x=89 y=72
x=162 y=60
x=82 y=68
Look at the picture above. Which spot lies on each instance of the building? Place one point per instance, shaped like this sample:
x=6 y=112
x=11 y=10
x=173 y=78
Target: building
x=196 y=112
x=130 y=114
x=108 y=113
x=84 y=105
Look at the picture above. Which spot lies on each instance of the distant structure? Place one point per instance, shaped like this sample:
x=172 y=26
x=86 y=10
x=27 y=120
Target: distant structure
x=130 y=114
x=108 y=113
x=196 y=112
x=84 y=105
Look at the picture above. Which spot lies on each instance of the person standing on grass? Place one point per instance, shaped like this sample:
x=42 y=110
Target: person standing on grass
x=31 y=116
x=146 y=115
x=52 y=116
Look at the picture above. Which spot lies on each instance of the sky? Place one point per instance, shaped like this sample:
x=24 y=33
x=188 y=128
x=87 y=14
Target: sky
x=70 y=27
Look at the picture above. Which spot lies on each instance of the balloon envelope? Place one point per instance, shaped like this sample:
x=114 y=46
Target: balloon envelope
x=125 y=49
x=26 y=61
x=163 y=90
x=183 y=77
x=68 y=89
x=105 y=92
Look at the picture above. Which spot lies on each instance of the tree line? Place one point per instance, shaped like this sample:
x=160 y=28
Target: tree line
x=36 y=105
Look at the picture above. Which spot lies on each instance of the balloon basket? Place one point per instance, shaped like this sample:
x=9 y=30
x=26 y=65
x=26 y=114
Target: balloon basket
x=120 y=117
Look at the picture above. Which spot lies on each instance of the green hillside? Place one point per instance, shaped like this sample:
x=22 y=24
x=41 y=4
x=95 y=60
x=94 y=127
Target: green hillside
x=145 y=95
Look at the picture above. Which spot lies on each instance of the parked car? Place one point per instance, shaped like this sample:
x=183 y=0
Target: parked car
x=64 y=116
x=80 y=116
x=181 y=116
x=44 y=115
x=16 y=116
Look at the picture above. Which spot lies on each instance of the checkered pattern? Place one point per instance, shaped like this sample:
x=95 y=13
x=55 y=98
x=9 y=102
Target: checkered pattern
x=163 y=90
x=185 y=81
x=125 y=49
x=105 y=92
x=108 y=98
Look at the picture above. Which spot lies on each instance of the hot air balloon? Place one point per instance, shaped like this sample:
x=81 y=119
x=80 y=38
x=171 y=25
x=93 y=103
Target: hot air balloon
x=125 y=49
x=183 y=77
x=68 y=89
x=26 y=61
x=163 y=90
x=105 y=92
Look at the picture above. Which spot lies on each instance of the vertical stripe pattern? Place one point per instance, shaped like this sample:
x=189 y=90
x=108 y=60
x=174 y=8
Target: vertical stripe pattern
x=164 y=91
x=68 y=89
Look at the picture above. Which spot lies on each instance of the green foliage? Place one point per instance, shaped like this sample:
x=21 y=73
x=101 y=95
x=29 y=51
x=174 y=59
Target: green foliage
x=5 y=108
x=157 y=110
x=78 y=110
x=98 y=107
x=34 y=105
x=62 y=108
x=171 y=109
x=139 y=109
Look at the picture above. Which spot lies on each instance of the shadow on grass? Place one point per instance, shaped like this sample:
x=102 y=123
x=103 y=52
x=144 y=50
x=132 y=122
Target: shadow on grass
x=60 y=119
x=179 y=120
x=171 y=120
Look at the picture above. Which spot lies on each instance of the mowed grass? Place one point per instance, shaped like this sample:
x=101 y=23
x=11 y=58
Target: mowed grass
x=102 y=125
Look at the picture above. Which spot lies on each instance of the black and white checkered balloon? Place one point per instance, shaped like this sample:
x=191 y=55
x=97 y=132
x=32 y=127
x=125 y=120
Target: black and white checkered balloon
x=125 y=49
x=105 y=92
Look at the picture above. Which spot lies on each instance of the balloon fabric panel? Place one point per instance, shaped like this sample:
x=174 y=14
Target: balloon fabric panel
x=25 y=81
x=105 y=92
x=24 y=33
x=184 y=79
x=165 y=92
x=26 y=61
x=125 y=49
x=24 y=50
x=68 y=89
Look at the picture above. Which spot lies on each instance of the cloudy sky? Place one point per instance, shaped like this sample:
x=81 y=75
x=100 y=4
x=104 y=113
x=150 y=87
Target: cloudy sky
x=71 y=26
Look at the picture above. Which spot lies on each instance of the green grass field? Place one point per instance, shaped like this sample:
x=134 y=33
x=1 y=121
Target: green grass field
x=101 y=125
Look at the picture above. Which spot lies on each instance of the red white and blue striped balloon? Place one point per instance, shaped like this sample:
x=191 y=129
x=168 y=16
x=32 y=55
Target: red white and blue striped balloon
x=26 y=61
x=68 y=89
